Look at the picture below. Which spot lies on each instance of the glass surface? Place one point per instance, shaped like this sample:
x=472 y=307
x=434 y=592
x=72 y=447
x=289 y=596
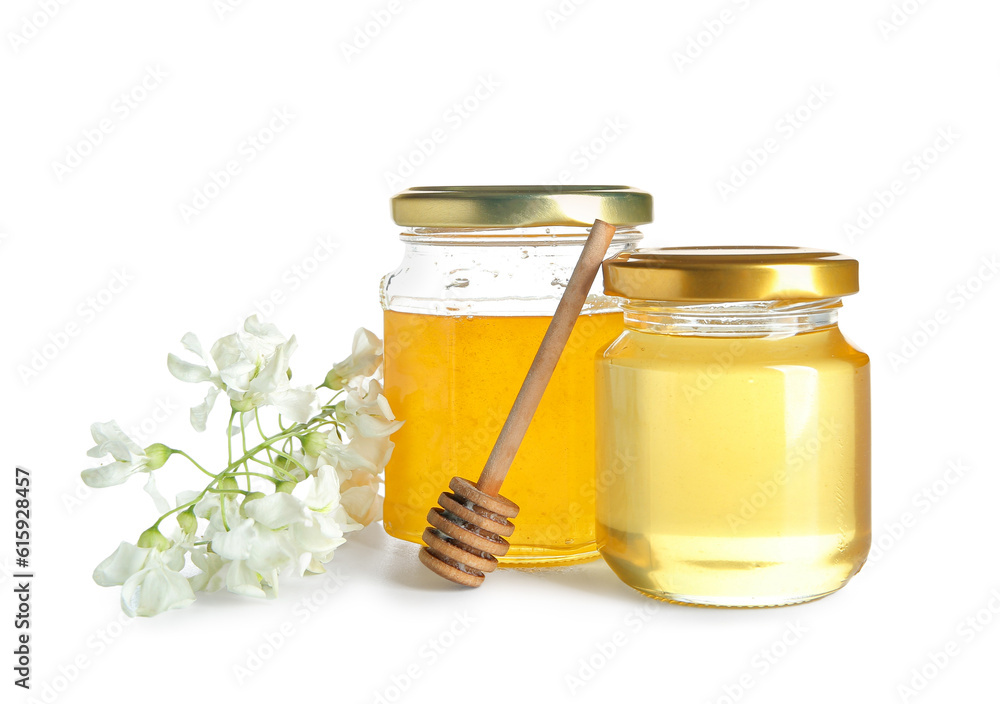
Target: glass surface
x=454 y=382
x=464 y=315
x=732 y=465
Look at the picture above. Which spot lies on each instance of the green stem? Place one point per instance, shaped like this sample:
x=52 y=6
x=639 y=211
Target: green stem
x=243 y=439
x=191 y=459
x=281 y=473
x=261 y=431
x=281 y=453
x=248 y=473
x=222 y=509
x=229 y=436
x=268 y=442
x=285 y=435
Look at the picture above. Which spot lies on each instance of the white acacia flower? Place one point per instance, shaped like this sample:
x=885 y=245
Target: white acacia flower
x=258 y=554
x=211 y=507
x=158 y=587
x=366 y=413
x=375 y=452
x=236 y=543
x=245 y=539
x=278 y=510
x=125 y=561
x=368 y=453
x=251 y=366
x=129 y=459
x=364 y=361
x=150 y=579
x=213 y=573
x=242 y=580
x=311 y=516
x=359 y=496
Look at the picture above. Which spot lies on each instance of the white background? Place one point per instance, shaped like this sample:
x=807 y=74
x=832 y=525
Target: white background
x=584 y=93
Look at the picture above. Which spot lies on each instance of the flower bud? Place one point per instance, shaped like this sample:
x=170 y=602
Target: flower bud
x=229 y=485
x=188 y=521
x=242 y=405
x=313 y=443
x=333 y=381
x=157 y=455
x=252 y=496
x=153 y=538
x=285 y=487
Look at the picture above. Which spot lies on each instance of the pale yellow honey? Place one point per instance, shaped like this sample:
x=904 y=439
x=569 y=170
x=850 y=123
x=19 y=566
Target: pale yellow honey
x=453 y=379
x=733 y=471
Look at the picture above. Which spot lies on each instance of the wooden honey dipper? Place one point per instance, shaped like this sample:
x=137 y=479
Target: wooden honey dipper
x=467 y=531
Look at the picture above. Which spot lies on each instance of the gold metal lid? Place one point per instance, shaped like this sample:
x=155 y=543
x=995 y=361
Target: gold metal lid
x=712 y=274
x=521 y=206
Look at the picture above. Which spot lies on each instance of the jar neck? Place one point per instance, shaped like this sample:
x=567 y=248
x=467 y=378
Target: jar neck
x=775 y=319
x=506 y=272
x=552 y=235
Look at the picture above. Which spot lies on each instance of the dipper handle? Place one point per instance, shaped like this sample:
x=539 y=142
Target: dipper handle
x=544 y=364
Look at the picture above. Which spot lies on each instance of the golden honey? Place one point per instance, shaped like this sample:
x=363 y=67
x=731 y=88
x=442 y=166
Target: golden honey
x=735 y=472
x=483 y=270
x=453 y=379
x=733 y=443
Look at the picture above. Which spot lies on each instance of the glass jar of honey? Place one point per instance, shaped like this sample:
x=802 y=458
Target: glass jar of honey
x=733 y=427
x=483 y=271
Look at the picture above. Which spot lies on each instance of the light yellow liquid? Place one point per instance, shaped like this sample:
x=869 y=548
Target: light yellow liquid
x=733 y=471
x=453 y=379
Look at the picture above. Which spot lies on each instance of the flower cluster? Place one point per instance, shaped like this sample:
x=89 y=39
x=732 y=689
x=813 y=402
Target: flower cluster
x=282 y=505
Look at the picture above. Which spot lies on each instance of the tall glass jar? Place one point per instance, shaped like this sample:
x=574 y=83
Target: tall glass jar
x=482 y=273
x=733 y=427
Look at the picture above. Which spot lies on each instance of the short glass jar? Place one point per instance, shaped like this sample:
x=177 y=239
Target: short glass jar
x=733 y=427
x=483 y=271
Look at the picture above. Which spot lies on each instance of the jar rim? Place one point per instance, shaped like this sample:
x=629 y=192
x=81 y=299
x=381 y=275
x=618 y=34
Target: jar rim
x=513 y=236
x=521 y=206
x=730 y=273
